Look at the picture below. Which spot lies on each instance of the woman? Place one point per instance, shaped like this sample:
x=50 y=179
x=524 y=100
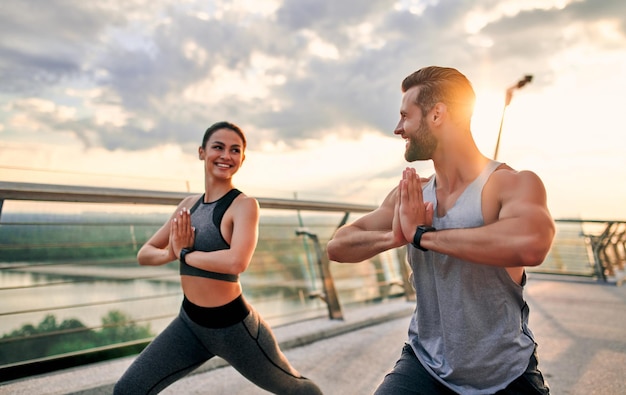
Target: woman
x=214 y=236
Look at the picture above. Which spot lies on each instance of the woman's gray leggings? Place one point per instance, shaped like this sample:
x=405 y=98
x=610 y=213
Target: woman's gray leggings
x=249 y=346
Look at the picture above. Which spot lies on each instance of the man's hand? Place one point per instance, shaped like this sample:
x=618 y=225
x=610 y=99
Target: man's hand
x=411 y=210
x=396 y=225
x=182 y=234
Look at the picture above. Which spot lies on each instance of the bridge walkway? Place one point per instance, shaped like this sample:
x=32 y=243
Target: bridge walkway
x=580 y=326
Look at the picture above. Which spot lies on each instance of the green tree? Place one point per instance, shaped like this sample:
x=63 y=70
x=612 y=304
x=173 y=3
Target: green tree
x=117 y=327
x=50 y=338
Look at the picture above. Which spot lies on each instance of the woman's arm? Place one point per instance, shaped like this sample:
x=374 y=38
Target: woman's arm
x=244 y=214
x=158 y=250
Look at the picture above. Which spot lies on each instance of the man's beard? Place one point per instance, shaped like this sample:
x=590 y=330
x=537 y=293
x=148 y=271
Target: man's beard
x=421 y=144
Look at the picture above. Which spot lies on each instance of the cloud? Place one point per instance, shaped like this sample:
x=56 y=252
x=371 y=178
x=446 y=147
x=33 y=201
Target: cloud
x=288 y=71
x=44 y=43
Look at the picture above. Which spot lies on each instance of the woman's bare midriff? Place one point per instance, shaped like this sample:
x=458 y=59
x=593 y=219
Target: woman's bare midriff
x=207 y=292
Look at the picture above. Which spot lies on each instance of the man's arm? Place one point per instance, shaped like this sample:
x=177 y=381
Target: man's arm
x=518 y=229
x=367 y=236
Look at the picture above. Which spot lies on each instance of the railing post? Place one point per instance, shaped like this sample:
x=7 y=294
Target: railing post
x=330 y=293
x=598 y=245
x=611 y=259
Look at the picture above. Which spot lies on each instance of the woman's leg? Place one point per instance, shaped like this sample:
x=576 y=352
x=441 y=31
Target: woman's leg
x=170 y=356
x=250 y=347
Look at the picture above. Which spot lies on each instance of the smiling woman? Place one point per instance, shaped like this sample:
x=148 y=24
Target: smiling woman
x=214 y=236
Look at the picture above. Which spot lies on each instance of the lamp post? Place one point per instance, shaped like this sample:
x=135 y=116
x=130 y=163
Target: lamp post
x=507 y=100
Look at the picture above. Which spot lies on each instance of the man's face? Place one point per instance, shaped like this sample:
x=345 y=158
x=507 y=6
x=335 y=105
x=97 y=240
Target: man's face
x=414 y=128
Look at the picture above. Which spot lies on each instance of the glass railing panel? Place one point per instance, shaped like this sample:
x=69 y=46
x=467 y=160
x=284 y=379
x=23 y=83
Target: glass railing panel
x=69 y=280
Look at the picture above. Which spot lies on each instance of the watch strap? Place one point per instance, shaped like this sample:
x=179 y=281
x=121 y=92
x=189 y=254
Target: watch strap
x=183 y=253
x=419 y=232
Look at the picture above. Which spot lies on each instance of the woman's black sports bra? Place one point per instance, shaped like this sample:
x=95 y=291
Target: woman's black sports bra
x=206 y=218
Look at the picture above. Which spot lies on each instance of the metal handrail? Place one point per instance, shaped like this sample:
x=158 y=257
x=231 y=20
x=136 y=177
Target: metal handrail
x=21 y=191
x=605 y=246
x=85 y=194
x=82 y=194
x=602 y=246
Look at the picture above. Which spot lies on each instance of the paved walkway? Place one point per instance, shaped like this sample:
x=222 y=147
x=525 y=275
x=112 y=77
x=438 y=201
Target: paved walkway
x=580 y=327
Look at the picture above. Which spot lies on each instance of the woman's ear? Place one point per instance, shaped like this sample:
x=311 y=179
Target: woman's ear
x=200 y=153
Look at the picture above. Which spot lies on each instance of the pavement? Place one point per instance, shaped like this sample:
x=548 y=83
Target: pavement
x=579 y=324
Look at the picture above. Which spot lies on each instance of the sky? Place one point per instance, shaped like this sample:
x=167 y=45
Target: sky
x=118 y=93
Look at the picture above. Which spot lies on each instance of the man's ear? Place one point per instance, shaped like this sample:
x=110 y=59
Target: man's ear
x=438 y=113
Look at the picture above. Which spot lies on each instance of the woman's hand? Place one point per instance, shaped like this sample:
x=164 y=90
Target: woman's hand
x=182 y=234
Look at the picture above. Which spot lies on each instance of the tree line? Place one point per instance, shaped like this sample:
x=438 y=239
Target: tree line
x=50 y=337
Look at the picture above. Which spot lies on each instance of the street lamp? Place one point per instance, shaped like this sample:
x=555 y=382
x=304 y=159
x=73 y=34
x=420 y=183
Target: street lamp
x=507 y=100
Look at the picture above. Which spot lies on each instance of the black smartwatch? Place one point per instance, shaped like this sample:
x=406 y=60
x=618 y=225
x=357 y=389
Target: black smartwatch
x=418 y=235
x=184 y=252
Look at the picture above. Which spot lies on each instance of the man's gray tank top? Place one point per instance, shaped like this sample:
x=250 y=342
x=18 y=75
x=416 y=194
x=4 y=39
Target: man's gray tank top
x=207 y=218
x=470 y=325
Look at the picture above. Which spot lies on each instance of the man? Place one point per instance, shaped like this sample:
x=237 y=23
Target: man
x=471 y=228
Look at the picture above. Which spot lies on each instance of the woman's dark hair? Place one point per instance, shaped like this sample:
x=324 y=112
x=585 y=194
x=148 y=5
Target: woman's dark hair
x=223 y=125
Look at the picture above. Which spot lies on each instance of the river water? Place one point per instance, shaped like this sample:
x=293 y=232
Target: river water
x=28 y=297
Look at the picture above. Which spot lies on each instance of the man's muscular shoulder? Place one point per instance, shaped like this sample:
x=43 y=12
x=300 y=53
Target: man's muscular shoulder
x=507 y=185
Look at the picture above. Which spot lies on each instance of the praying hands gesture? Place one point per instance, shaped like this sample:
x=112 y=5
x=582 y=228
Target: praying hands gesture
x=182 y=234
x=410 y=209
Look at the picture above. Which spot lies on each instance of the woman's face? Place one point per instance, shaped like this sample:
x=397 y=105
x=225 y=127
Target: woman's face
x=223 y=154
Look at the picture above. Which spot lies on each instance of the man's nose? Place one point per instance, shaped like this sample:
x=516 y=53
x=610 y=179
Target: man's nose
x=398 y=129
